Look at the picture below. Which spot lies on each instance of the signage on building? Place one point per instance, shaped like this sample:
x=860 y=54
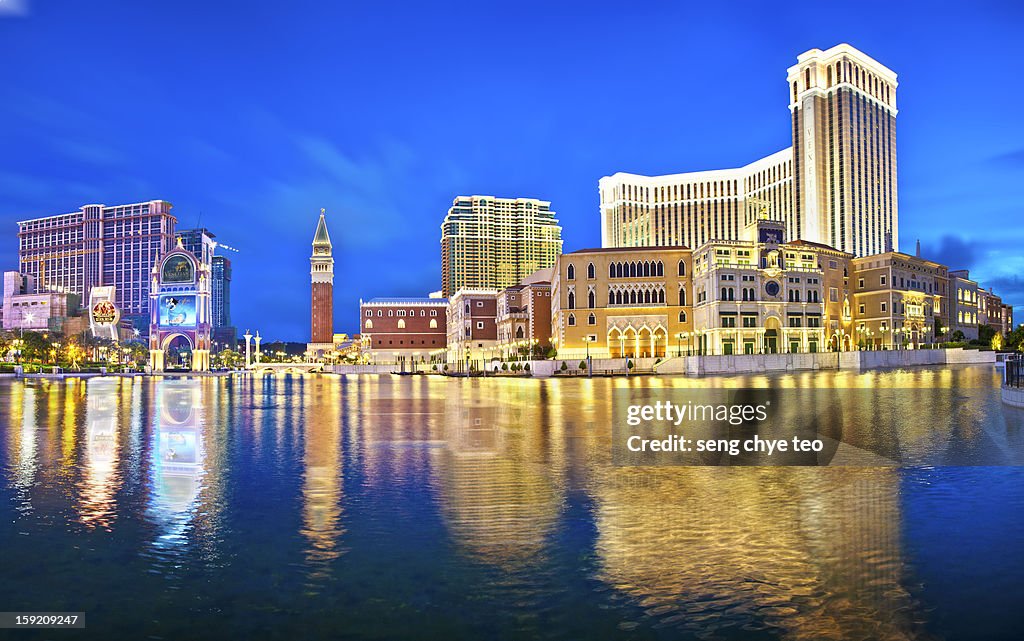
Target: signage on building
x=105 y=313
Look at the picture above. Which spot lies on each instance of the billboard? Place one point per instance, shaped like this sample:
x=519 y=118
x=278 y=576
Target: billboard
x=177 y=311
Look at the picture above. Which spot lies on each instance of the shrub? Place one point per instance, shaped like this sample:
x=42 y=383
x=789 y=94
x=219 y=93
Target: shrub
x=564 y=367
x=446 y=367
x=629 y=364
x=583 y=365
x=526 y=367
x=504 y=367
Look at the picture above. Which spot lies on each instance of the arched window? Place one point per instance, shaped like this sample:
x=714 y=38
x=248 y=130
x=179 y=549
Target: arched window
x=611 y=270
x=369 y=313
x=682 y=316
x=369 y=324
x=570 y=272
x=647 y=268
x=433 y=323
x=632 y=269
x=519 y=332
x=618 y=298
x=682 y=297
x=724 y=294
x=618 y=270
x=591 y=320
x=632 y=298
x=591 y=300
x=661 y=268
x=401 y=323
x=661 y=296
x=591 y=272
x=572 y=300
x=647 y=296
x=572 y=320
x=682 y=268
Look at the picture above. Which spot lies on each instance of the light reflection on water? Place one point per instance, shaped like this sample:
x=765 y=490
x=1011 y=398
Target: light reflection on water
x=392 y=507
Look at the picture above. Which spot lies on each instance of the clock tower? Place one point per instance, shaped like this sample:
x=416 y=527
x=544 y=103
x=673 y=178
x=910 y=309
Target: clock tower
x=321 y=271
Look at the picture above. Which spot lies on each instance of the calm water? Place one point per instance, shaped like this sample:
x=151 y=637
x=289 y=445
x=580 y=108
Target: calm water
x=325 y=507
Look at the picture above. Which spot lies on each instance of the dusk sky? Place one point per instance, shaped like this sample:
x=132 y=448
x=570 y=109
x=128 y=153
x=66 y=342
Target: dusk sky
x=250 y=117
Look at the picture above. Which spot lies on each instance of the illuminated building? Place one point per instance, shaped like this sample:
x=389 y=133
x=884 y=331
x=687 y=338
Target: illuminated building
x=963 y=305
x=896 y=300
x=764 y=295
x=403 y=330
x=26 y=307
x=621 y=302
x=493 y=243
x=180 y=309
x=472 y=327
x=836 y=184
x=199 y=241
x=991 y=311
x=99 y=245
x=321 y=270
x=524 y=316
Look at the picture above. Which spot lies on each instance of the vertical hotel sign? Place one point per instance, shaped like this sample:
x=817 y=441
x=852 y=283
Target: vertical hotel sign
x=103 y=313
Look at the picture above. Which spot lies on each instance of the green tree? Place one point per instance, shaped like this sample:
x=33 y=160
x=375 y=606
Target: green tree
x=564 y=367
x=985 y=334
x=1015 y=340
x=35 y=346
x=583 y=366
x=958 y=336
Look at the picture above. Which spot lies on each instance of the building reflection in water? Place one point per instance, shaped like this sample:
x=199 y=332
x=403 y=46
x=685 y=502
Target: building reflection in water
x=177 y=457
x=22 y=445
x=101 y=478
x=321 y=397
x=500 y=495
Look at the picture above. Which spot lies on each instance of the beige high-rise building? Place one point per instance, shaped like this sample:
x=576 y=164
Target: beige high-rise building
x=494 y=243
x=843 y=106
x=836 y=185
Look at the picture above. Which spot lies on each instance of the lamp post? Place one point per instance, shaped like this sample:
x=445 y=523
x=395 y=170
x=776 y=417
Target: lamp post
x=679 y=340
x=588 y=340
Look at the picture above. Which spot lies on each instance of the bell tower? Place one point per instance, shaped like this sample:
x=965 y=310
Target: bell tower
x=321 y=272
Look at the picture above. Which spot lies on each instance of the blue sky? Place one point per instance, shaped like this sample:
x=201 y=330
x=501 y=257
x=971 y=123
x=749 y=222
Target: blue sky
x=249 y=117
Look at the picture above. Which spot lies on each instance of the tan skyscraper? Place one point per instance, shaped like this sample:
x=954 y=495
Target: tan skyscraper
x=493 y=243
x=835 y=185
x=843 y=105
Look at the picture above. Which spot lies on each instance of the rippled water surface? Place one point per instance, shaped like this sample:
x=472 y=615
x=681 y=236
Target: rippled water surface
x=326 y=507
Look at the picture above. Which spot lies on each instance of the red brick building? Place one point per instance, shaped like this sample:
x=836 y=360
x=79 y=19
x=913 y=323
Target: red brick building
x=472 y=327
x=404 y=331
x=524 y=319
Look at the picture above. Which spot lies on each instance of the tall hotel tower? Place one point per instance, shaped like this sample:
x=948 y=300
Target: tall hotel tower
x=835 y=185
x=321 y=271
x=844 y=150
x=99 y=245
x=493 y=243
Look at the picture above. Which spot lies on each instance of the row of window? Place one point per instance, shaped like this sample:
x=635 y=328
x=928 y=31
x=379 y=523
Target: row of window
x=401 y=323
x=641 y=269
x=401 y=312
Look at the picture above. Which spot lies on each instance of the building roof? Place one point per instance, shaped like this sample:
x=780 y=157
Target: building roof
x=321 y=237
x=600 y=250
x=398 y=300
x=811 y=243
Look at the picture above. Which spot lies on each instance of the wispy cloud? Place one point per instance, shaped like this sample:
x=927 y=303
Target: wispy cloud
x=13 y=8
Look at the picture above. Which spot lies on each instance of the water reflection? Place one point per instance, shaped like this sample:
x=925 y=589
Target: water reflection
x=322 y=475
x=406 y=501
x=499 y=498
x=804 y=553
x=101 y=478
x=177 y=457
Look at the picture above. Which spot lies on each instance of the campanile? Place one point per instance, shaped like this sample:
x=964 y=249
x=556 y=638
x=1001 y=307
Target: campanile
x=321 y=273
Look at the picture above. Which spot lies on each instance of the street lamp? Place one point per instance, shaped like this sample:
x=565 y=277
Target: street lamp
x=679 y=340
x=588 y=340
